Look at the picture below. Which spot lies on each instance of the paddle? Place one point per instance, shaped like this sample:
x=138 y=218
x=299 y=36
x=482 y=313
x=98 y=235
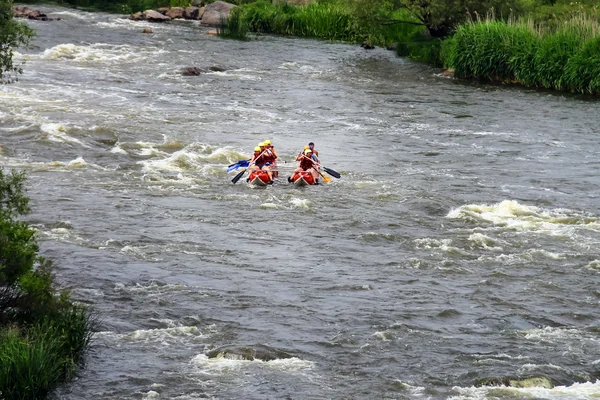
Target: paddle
x=332 y=172
x=234 y=166
x=325 y=178
x=238 y=176
x=328 y=170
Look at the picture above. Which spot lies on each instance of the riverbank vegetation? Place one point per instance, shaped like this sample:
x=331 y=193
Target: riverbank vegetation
x=563 y=56
x=13 y=34
x=541 y=43
x=43 y=333
x=550 y=44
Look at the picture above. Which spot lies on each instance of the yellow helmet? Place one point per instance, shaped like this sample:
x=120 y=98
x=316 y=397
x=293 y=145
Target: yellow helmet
x=308 y=151
x=262 y=144
x=267 y=142
x=257 y=149
x=306 y=147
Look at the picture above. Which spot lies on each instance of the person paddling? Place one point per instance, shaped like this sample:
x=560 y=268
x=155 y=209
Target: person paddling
x=272 y=157
x=258 y=161
x=307 y=163
x=301 y=154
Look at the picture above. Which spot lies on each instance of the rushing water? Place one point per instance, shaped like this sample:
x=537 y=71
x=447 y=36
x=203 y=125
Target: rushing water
x=460 y=246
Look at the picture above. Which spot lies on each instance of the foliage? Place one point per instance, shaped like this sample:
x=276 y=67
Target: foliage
x=234 y=27
x=315 y=20
x=13 y=34
x=35 y=360
x=42 y=333
x=440 y=17
x=565 y=57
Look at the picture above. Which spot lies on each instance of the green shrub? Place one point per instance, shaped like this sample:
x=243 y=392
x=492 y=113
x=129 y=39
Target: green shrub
x=234 y=27
x=582 y=72
x=42 y=334
x=34 y=360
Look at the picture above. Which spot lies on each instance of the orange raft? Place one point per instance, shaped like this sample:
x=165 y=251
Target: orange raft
x=303 y=178
x=259 y=178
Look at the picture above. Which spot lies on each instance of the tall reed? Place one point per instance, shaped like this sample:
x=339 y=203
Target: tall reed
x=562 y=56
x=33 y=360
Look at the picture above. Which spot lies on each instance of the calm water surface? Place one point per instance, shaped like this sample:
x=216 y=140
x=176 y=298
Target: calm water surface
x=460 y=246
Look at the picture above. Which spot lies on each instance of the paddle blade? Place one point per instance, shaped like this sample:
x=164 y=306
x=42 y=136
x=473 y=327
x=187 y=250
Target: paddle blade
x=238 y=176
x=332 y=172
x=326 y=178
x=232 y=167
x=240 y=163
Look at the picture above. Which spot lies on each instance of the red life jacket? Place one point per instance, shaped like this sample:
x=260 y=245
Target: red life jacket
x=269 y=157
x=260 y=160
x=306 y=163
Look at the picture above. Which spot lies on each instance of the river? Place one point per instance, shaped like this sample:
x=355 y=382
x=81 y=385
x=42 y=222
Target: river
x=459 y=247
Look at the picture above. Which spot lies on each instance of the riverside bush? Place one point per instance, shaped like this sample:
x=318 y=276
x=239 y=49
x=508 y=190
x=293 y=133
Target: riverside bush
x=42 y=334
x=315 y=20
x=562 y=58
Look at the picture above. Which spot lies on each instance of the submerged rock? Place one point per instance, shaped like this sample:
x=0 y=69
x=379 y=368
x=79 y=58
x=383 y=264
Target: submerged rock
x=534 y=381
x=195 y=71
x=250 y=353
x=192 y=71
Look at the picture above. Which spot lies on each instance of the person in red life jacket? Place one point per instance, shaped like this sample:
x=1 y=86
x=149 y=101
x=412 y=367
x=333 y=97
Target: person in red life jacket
x=301 y=154
x=307 y=163
x=272 y=157
x=259 y=161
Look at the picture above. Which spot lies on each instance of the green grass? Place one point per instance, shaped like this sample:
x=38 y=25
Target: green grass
x=561 y=57
x=316 y=20
x=35 y=359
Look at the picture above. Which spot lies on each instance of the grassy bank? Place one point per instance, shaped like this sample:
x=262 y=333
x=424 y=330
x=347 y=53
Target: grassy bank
x=43 y=334
x=563 y=56
x=319 y=20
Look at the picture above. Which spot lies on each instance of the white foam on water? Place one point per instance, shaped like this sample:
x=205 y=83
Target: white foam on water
x=384 y=336
x=594 y=265
x=160 y=336
x=222 y=364
x=151 y=395
x=56 y=132
x=117 y=149
x=430 y=243
x=576 y=391
x=236 y=74
x=151 y=287
x=415 y=391
x=513 y=214
x=79 y=162
x=61 y=234
x=196 y=157
x=300 y=203
x=485 y=242
x=552 y=334
x=269 y=206
x=99 y=53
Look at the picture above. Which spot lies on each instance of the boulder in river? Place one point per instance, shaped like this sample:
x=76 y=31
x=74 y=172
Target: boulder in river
x=195 y=71
x=155 y=16
x=192 y=71
x=250 y=353
x=193 y=12
x=214 y=13
x=30 y=13
x=138 y=16
x=175 y=12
